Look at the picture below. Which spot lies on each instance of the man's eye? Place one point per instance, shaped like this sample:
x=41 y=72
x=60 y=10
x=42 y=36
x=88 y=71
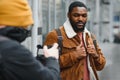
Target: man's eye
x=84 y=15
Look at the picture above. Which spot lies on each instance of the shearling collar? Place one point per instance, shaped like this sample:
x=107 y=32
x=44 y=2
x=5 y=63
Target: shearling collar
x=69 y=30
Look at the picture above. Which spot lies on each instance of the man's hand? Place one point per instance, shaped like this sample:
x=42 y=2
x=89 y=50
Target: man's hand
x=80 y=52
x=51 y=52
x=91 y=50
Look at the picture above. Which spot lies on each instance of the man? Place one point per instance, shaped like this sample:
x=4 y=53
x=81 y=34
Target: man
x=17 y=62
x=79 y=59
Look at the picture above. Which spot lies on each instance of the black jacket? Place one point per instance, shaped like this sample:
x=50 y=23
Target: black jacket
x=18 y=63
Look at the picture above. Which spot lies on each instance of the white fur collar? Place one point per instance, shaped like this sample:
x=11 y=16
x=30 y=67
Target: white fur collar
x=69 y=30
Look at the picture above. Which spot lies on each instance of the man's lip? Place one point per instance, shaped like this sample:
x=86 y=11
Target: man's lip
x=80 y=24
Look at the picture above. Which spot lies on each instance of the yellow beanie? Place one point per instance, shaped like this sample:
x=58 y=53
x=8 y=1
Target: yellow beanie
x=15 y=13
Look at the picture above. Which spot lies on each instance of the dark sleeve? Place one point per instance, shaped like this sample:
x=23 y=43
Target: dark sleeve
x=18 y=62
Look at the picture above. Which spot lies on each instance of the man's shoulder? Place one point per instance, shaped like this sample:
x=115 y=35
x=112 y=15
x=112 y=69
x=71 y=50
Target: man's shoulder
x=53 y=32
x=6 y=43
x=6 y=39
x=3 y=38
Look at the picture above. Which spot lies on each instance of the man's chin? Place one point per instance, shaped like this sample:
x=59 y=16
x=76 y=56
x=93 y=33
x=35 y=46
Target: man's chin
x=80 y=29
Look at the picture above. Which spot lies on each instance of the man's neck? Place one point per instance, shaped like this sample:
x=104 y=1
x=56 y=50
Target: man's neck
x=79 y=32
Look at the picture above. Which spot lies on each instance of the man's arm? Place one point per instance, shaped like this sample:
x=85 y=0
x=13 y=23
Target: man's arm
x=20 y=63
x=99 y=61
x=95 y=52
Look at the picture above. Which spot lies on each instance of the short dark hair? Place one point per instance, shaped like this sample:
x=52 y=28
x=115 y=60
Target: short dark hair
x=76 y=4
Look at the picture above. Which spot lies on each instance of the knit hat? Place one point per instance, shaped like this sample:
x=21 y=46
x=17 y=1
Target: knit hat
x=15 y=13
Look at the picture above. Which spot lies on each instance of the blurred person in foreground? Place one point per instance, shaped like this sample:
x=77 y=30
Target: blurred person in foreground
x=80 y=59
x=17 y=62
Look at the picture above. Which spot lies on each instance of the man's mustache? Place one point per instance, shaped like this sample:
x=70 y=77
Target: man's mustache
x=79 y=22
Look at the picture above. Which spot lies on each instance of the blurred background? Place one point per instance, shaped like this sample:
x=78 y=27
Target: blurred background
x=103 y=21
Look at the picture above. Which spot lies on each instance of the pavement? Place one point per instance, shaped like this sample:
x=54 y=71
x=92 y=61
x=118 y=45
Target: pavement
x=112 y=68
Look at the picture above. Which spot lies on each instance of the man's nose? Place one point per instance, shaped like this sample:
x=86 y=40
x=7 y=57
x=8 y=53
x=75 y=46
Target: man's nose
x=80 y=18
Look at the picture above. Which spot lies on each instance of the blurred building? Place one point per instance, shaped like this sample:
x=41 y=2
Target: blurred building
x=103 y=19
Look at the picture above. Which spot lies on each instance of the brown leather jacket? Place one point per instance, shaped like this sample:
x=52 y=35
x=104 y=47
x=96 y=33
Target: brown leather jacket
x=71 y=66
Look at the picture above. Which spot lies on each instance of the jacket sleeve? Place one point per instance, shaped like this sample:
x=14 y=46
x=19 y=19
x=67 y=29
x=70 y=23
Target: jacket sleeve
x=100 y=61
x=51 y=38
x=20 y=64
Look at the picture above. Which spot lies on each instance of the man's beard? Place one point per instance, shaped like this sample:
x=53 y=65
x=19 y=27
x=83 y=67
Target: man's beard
x=75 y=28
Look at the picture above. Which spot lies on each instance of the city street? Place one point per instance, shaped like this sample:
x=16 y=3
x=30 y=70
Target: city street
x=112 y=68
